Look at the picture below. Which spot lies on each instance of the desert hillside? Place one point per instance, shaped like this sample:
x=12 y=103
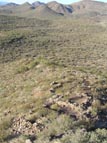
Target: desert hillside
x=53 y=73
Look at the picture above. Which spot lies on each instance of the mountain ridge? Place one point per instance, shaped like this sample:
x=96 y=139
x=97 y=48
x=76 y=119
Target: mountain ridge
x=4 y=3
x=84 y=7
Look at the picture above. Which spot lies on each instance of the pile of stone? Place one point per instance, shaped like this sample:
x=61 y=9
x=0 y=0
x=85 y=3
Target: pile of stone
x=77 y=105
x=22 y=126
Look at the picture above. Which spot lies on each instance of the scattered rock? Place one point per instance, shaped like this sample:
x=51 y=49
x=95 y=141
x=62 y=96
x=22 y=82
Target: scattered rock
x=22 y=126
x=28 y=141
x=53 y=83
x=52 y=90
x=75 y=106
x=7 y=112
x=58 y=85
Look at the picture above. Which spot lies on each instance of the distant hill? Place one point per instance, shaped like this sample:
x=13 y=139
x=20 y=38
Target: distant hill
x=11 y=4
x=22 y=9
x=89 y=6
x=6 y=8
x=52 y=9
x=37 y=3
x=59 y=8
x=44 y=11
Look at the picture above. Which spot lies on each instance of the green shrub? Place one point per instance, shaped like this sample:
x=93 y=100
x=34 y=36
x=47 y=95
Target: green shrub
x=22 y=69
x=4 y=129
x=58 y=126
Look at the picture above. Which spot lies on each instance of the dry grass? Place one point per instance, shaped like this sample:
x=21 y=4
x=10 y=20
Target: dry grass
x=64 y=51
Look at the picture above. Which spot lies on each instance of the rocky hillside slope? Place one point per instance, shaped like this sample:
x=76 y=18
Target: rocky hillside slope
x=53 y=80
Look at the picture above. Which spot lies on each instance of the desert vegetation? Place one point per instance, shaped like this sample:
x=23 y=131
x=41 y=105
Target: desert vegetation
x=53 y=79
